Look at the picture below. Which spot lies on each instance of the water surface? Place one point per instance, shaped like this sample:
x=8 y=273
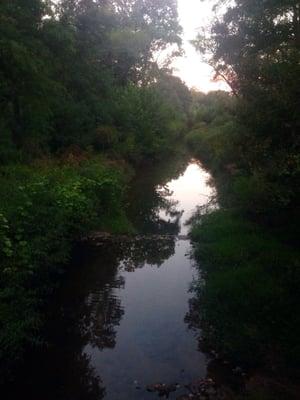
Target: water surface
x=120 y=320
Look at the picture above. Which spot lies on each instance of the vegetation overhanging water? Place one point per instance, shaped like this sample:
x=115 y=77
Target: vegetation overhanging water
x=85 y=102
x=121 y=320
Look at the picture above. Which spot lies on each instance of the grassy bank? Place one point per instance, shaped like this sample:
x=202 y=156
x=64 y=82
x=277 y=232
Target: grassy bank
x=250 y=297
x=45 y=208
x=246 y=251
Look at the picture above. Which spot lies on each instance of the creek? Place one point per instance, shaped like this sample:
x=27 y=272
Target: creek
x=121 y=319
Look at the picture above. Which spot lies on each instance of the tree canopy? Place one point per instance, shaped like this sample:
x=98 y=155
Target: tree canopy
x=62 y=62
x=255 y=46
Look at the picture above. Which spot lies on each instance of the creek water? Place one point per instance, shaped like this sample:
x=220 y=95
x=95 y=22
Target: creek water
x=120 y=322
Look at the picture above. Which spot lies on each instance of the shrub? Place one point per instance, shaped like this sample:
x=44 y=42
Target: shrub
x=43 y=211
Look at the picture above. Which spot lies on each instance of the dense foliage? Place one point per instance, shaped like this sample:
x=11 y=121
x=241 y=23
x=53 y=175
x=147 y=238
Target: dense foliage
x=250 y=140
x=78 y=78
x=79 y=72
x=44 y=208
x=255 y=46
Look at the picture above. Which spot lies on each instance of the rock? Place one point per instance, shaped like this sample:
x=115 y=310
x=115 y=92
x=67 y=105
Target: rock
x=162 y=389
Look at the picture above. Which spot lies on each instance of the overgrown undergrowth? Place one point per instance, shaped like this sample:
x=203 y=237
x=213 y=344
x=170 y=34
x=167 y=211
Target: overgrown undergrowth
x=249 y=297
x=247 y=250
x=44 y=210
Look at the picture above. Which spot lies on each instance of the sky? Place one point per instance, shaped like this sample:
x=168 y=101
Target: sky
x=195 y=14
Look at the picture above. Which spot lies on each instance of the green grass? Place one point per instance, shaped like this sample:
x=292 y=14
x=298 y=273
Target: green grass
x=250 y=298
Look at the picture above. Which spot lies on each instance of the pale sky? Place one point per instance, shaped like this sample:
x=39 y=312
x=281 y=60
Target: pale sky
x=194 y=14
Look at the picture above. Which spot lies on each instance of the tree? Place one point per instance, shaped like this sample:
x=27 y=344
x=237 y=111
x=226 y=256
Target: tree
x=61 y=63
x=147 y=27
x=254 y=45
x=26 y=86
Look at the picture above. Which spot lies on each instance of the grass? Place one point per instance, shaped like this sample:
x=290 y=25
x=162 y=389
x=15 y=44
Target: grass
x=250 y=297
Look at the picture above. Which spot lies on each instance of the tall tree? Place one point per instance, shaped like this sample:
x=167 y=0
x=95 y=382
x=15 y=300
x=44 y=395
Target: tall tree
x=25 y=81
x=147 y=27
x=254 y=45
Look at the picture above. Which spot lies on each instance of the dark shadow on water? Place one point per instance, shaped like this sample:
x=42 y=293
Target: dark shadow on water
x=228 y=378
x=85 y=316
x=85 y=312
x=148 y=197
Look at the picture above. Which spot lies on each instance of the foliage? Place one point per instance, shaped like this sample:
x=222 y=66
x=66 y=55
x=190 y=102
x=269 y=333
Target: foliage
x=248 y=250
x=255 y=47
x=249 y=265
x=143 y=118
x=76 y=77
x=63 y=66
x=215 y=129
x=43 y=210
x=251 y=280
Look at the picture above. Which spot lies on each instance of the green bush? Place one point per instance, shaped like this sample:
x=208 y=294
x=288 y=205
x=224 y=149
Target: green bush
x=43 y=211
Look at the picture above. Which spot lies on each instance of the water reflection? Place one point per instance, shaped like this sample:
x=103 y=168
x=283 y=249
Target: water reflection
x=121 y=314
x=228 y=378
x=152 y=251
x=105 y=312
x=191 y=190
x=150 y=195
x=152 y=341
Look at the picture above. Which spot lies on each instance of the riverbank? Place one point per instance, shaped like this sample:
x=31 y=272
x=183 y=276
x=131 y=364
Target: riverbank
x=45 y=208
x=249 y=299
x=248 y=260
x=117 y=325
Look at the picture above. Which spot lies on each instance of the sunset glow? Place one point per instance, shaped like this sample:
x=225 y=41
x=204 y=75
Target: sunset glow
x=195 y=14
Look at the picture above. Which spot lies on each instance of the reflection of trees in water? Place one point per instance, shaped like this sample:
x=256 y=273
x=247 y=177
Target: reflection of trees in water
x=60 y=371
x=91 y=309
x=154 y=251
x=85 y=313
x=148 y=217
x=228 y=383
x=91 y=312
x=104 y=314
x=98 y=310
x=194 y=317
x=88 y=384
x=167 y=214
x=150 y=197
x=81 y=381
x=88 y=311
